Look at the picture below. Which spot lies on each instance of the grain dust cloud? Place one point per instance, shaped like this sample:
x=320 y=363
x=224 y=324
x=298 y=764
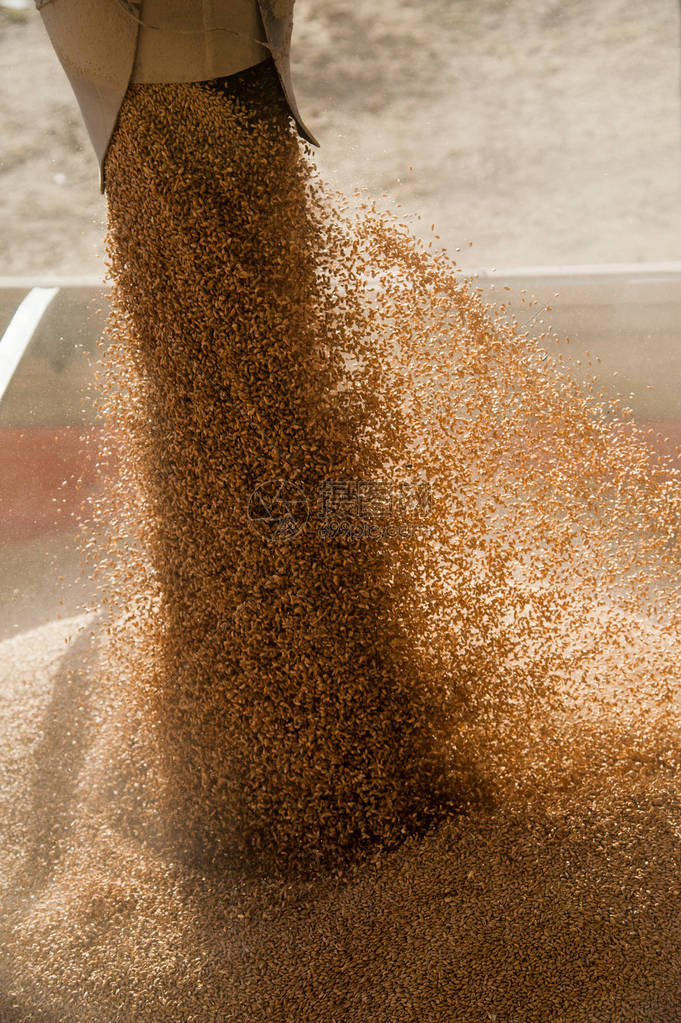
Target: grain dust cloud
x=386 y=690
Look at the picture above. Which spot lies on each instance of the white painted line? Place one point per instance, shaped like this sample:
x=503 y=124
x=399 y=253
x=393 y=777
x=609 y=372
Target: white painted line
x=671 y=269
x=54 y=281
x=639 y=272
x=15 y=340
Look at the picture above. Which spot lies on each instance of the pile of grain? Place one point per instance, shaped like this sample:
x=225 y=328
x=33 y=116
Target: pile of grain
x=384 y=718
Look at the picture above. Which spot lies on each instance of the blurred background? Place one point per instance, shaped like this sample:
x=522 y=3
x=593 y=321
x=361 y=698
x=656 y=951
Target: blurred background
x=542 y=131
x=536 y=135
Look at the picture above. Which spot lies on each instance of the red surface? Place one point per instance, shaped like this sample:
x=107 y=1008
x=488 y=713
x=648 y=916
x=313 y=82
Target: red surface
x=40 y=470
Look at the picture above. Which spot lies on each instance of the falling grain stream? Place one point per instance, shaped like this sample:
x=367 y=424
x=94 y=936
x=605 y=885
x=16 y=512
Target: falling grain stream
x=422 y=772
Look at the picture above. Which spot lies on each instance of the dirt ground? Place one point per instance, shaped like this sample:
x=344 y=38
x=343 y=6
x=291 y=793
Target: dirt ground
x=543 y=132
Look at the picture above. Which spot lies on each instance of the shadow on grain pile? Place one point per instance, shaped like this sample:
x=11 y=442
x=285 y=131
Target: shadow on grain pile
x=384 y=723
